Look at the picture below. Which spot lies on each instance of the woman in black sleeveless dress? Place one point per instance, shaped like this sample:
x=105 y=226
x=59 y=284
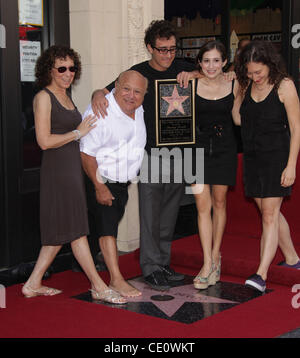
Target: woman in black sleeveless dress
x=63 y=210
x=268 y=111
x=214 y=125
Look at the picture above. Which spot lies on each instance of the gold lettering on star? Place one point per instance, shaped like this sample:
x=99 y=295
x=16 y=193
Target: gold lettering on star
x=175 y=101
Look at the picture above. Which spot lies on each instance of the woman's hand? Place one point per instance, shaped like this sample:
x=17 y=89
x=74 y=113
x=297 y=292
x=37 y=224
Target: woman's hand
x=99 y=103
x=288 y=177
x=87 y=125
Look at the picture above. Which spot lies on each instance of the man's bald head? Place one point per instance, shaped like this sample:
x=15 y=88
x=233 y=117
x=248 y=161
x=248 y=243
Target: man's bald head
x=134 y=75
x=131 y=88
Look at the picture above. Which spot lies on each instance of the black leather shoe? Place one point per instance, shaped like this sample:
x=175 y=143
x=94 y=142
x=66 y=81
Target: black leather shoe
x=171 y=275
x=157 y=281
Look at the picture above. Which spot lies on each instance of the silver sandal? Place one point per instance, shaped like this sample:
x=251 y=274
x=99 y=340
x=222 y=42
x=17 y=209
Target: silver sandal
x=109 y=296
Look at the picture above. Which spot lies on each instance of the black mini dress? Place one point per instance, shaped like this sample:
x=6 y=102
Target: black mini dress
x=215 y=133
x=266 y=142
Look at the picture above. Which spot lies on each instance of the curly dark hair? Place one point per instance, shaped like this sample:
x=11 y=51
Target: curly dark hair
x=46 y=62
x=210 y=45
x=159 y=29
x=260 y=52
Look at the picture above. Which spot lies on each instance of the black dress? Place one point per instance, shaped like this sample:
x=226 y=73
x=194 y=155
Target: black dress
x=63 y=209
x=266 y=142
x=214 y=132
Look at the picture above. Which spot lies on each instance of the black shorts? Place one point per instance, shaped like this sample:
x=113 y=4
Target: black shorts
x=107 y=218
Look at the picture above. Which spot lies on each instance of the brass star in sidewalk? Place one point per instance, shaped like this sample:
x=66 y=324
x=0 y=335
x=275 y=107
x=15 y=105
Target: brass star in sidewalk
x=181 y=294
x=182 y=302
x=175 y=101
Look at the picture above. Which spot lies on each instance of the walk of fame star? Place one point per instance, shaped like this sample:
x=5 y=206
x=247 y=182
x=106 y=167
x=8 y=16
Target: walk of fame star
x=175 y=101
x=180 y=294
x=182 y=303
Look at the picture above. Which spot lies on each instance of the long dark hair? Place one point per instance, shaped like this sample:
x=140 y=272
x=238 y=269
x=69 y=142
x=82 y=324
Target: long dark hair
x=46 y=62
x=260 y=52
x=208 y=46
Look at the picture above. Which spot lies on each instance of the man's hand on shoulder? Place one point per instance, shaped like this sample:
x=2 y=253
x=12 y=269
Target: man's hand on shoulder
x=184 y=77
x=230 y=76
x=99 y=102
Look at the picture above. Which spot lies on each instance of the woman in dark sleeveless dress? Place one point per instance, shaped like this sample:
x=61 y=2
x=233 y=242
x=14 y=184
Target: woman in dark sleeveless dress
x=214 y=101
x=268 y=111
x=63 y=210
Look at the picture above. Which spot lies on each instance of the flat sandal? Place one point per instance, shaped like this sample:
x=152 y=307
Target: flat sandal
x=109 y=296
x=48 y=292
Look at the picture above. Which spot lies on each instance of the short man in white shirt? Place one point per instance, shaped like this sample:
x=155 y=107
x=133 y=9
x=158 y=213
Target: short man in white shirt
x=112 y=155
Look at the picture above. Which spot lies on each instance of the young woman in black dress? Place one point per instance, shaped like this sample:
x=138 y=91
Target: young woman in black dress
x=214 y=101
x=267 y=108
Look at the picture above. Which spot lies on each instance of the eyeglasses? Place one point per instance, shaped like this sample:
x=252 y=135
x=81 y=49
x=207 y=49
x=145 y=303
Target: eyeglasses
x=164 y=51
x=63 y=69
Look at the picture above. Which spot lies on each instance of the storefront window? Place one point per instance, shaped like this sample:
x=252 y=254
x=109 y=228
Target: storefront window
x=196 y=24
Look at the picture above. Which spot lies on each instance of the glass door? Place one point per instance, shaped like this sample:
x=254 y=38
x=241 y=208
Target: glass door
x=27 y=34
x=33 y=39
x=2 y=218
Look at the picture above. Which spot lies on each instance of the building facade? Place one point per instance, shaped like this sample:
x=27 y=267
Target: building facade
x=109 y=37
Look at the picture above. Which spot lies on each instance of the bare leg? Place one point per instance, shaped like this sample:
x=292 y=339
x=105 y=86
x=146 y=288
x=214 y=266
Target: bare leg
x=219 y=193
x=258 y=202
x=285 y=240
x=83 y=255
x=117 y=282
x=34 y=283
x=204 y=204
x=270 y=210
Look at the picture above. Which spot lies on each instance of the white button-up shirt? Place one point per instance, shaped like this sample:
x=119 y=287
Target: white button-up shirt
x=117 y=142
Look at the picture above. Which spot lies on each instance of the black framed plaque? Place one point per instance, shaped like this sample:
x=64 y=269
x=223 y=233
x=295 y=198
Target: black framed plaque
x=175 y=113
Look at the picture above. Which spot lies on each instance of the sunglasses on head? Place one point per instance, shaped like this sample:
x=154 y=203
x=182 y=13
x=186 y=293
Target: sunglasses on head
x=63 y=69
